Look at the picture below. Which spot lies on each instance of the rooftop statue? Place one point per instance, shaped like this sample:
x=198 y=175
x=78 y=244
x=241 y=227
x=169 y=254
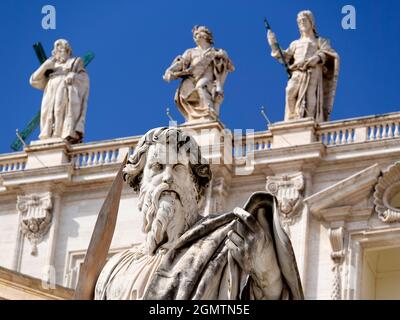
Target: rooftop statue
x=244 y=254
x=66 y=89
x=314 y=68
x=203 y=71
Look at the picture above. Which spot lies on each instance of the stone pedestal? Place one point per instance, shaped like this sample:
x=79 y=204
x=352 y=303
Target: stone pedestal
x=205 y=132
x=293 y=133
x=214 y=140
x=47 y=153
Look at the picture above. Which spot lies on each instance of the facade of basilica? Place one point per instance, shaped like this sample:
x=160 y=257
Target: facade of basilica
x=336 y=183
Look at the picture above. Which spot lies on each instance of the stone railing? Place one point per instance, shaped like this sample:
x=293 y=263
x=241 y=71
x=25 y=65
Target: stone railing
x=112 y=151
x=359 y=129
x=261 y=140
x=333 y=133
x=102 y=153
x=13 y=162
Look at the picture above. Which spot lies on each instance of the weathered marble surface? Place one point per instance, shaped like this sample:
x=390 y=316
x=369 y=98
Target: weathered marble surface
x=236 y=255
x=203 y=71
x=326 y=161
x=314 y=67
x=65 y=83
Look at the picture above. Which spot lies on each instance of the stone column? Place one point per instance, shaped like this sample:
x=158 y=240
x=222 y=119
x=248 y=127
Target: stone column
x=304 y=232
x=216 y=196
x=19 y=244
x=49 y=271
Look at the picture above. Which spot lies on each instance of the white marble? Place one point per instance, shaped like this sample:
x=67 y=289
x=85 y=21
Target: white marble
x=171 y=186
x=83 y=185
x=203 y=70
x=65 y=83
x=314 y=68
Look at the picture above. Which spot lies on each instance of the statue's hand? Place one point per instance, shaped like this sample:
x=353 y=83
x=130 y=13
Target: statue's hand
x=271 y=38
x=48 y=64
x=69 y=79
x=169 y=76
x=248 y=243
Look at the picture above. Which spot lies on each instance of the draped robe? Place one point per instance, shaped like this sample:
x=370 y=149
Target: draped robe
x=321 y=78
x=63 y=109
x=198 y=265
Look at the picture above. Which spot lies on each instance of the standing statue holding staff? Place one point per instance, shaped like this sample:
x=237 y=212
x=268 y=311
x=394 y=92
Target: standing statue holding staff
x=313 y=68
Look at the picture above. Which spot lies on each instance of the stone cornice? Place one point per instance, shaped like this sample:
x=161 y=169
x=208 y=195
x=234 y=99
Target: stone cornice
x=203 y=125
x=292 y=125
x=56 y=174
x=305 y=154
x=363 y=150
x=17 y=286
x=47 y=146
x=127 y=141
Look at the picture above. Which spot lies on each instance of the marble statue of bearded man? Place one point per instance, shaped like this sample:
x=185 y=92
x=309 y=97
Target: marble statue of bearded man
x=314 y=67
x=66 y=89
x=244 y=254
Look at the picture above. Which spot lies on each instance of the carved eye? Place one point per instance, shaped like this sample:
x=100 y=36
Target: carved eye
x=157 y=167
x=179 y=166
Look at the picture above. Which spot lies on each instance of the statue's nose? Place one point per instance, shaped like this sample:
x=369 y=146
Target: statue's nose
x=167 y=176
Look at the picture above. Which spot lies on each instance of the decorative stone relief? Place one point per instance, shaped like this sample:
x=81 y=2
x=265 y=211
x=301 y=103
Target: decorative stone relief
x=336 y=237
x=288 y=189
x=387 y=194
x=35 y=217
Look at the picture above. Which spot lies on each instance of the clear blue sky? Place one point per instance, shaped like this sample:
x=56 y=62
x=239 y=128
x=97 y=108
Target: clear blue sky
x=135 y=41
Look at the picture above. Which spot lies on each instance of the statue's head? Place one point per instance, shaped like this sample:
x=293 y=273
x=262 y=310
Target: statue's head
x=171 y=177
x=62 y=50
x=306 y=22
x=202 y=32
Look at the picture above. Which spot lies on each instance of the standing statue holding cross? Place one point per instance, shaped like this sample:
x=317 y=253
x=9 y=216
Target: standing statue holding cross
x=66 y=89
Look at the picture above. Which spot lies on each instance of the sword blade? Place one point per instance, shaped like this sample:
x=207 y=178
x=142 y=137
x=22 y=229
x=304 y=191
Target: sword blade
x=100 y=242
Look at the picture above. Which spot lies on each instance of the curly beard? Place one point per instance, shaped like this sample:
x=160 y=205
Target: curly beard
x=168 y=212
x=61 y=57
